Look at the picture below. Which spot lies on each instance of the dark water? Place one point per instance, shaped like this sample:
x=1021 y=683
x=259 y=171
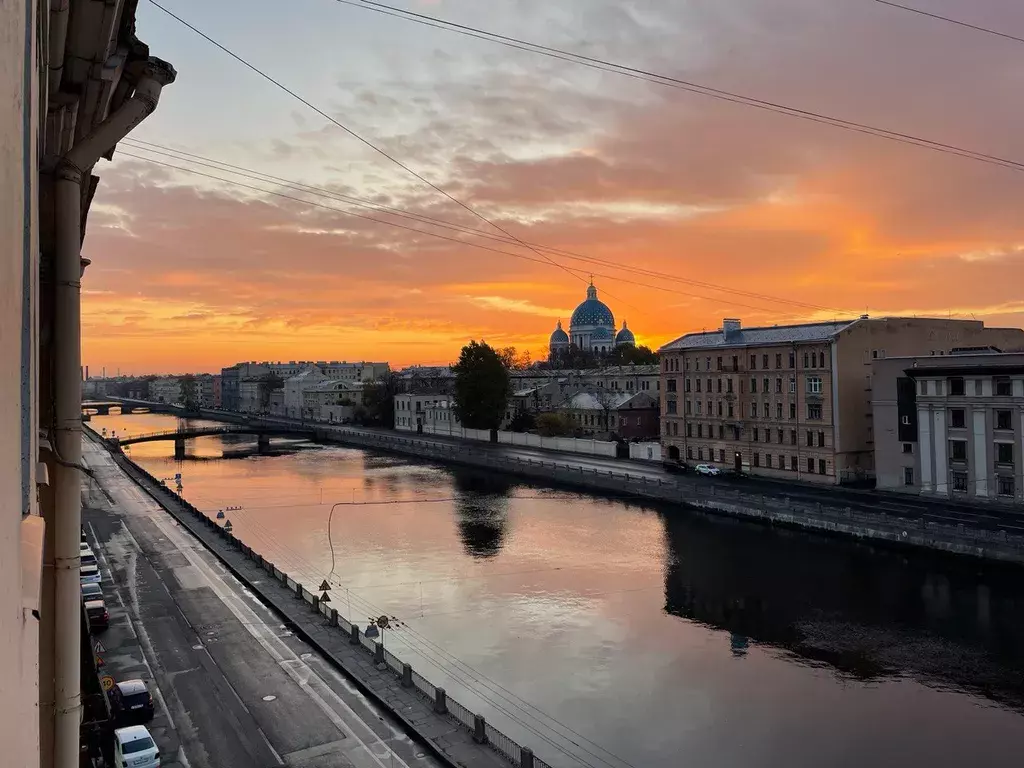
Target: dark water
x=632 y=635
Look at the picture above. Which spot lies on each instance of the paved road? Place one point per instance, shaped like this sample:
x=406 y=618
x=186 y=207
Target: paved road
x=233 y=687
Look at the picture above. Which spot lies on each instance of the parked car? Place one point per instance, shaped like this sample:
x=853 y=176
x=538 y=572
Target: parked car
x=84 y=545
x=707 y=469
x=88 y=557
x=131 y=701
x=135 y=748
x=84 y=540
x=675 y=467
x=92 y=592
x=90 y=574
x=99 y=619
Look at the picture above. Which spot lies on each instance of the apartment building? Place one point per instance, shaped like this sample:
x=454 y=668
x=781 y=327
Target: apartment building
x=794 y=401
x=951 y=426
x=165 y=389
x=411 y=410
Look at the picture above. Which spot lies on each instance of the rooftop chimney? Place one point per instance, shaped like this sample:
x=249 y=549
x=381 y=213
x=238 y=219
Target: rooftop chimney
x=730 y=327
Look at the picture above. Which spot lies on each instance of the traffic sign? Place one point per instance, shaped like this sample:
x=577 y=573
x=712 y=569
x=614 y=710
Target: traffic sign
x=98 y=648
x=324 y=586
x=325 y=598
x=107 y=682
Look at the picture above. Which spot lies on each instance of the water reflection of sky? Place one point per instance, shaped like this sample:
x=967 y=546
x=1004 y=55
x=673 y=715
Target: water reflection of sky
x=657 y=635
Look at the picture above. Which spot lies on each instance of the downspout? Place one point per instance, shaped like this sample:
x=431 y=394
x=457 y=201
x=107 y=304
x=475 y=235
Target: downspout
x=60 y=11
x=67 y=356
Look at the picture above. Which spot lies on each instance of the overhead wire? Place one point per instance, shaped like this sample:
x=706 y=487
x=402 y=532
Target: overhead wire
x=422 y=218
x=950 y=20
x=681 y=84
x=524 y=257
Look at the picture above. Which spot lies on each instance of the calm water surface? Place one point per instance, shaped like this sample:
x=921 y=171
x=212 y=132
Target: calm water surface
x=603 y=633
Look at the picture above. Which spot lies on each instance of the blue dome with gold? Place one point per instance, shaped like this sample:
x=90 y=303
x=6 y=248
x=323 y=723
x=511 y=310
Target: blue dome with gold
x=592 y=311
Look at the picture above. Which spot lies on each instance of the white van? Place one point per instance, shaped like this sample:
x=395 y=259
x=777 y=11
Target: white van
x=135 y=748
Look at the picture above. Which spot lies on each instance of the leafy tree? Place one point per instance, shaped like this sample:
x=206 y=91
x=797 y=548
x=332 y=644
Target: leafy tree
x=481 y=387
x=514 y=360
x=630 y=355
x=189 y=392
x=523 y=421
x=554 y=424
x=268 y=384
x=379 y=402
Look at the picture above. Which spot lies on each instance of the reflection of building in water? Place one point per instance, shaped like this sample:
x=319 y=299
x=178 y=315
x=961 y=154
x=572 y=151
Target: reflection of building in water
x=865 y=612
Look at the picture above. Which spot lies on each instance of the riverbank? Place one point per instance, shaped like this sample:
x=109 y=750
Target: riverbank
x=455 y=735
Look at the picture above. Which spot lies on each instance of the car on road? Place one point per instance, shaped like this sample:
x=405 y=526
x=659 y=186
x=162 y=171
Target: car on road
x=131 y=701
x=135 y=748
x=707 y=469
x=89 y=574
x=92 y=592
x=675 y=467
x=96 y=611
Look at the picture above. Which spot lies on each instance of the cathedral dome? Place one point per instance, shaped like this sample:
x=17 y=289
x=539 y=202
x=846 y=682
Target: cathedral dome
x=559 y=337
x=592 y=312
x=625 y=336
x=601 y=334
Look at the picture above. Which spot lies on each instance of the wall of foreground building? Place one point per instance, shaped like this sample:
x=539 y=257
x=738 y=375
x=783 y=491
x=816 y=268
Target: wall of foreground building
x=20 y=526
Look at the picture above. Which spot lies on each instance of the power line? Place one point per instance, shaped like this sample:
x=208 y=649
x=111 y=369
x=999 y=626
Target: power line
x=950 y=20
x=361 y=139
x=442 y=237
x=686 y=85
x=432 y=221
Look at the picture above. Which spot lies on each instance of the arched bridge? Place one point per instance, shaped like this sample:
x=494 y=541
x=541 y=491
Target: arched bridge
x=102 y=407
x=179 y=436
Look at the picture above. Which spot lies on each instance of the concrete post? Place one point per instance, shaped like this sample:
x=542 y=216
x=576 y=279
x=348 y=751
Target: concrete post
x=479 y=729
x=440 y=701
x=354 y=638
x=378 y=653
x=298 y=591
x=525 y=757
x=407 y=675
x=334 y=617
x=315 y=604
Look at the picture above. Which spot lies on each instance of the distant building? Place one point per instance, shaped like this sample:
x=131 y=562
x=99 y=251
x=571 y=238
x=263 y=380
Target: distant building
x=217 y=391
x=165 y=389
x=240 y=389
x=626 y=415
x=413 y=411
x=591 y=328
x=950 y=425
x=333 y=401
x=795 y=400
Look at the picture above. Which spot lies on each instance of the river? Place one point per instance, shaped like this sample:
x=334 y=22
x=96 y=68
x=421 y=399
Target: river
x=606 y=633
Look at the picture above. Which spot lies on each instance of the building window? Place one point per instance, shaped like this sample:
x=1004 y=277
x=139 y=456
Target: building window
x=687 y=364
x=756 y=459
x=810 y=439
x=792 y=463
x=768 y=460
x=707 y=363
x=874 y=354
x=671 y=386
x=675 y=428
x=821 y=439
x=670 y=406
x=959 y=480
x=687 y=385
x=956 y=386
x=1005 y=485
x=753 y=362
x=1004 y=387
x=721 y=455
x=698 y=384
x=778 y=360
x=718 y=386
x=814 y=412
x=908 y=447
x=765 y=384
x=810 y=465
x=754 y=433
x=700 y=454
x=719 y=362
x=700 y=430
x=728 y=385
x=689 y=430
x=792 y=359
x=792 y=385
x=822 y=467
x=753 y=384
x=778 y=410
x=908 y=475
x=689 y=453
x=1004 y=419
x=814 y=385
x=778 y=385
x=689 y=408
x=806 y=357
x=956 y=418
x=1004 y=453
x=721 y=432
x=792 y=410
x=958 y=450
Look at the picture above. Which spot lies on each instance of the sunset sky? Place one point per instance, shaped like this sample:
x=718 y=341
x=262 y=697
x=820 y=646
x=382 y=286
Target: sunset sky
x=190 y=274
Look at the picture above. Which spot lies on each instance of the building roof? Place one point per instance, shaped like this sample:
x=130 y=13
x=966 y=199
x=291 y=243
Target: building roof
x=559 y=336
x=625 y=336
x=755 y=337
x=611 y=400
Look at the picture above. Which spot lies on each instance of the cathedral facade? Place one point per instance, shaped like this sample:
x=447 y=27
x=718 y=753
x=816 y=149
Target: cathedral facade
x=591 y=328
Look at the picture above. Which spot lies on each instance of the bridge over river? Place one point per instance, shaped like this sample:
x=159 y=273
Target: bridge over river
x=179 y=436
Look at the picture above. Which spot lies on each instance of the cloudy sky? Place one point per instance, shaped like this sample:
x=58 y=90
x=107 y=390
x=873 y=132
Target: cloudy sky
x=796 y=219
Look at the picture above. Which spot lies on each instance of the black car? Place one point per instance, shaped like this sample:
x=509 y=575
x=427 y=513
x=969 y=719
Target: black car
x=99 y=619
x=131 y=702
x=675 y=467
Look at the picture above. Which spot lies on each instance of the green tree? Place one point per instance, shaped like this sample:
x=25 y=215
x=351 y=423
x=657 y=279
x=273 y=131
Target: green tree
x=379 y=402
x=554 y=424
x=268 y=384
x=523 y=421
x=513 y=359
x=629 y=355
x=481 y=387
x=189 y=392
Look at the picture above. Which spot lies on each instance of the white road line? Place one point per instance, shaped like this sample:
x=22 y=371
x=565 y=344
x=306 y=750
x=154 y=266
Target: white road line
x=304 y=676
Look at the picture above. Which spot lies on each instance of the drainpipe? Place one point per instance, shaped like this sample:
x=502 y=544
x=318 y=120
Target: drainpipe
x=60 y=11
x=67 y=355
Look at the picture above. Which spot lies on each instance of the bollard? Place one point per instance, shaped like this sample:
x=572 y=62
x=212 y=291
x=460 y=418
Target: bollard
x=407 y=675
x=354 y=638
x=334 y=617
x=298 y=591
x=315 y=605
x=479 y=729
x=440 y=701
x=378 y=653
x=525 y=757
